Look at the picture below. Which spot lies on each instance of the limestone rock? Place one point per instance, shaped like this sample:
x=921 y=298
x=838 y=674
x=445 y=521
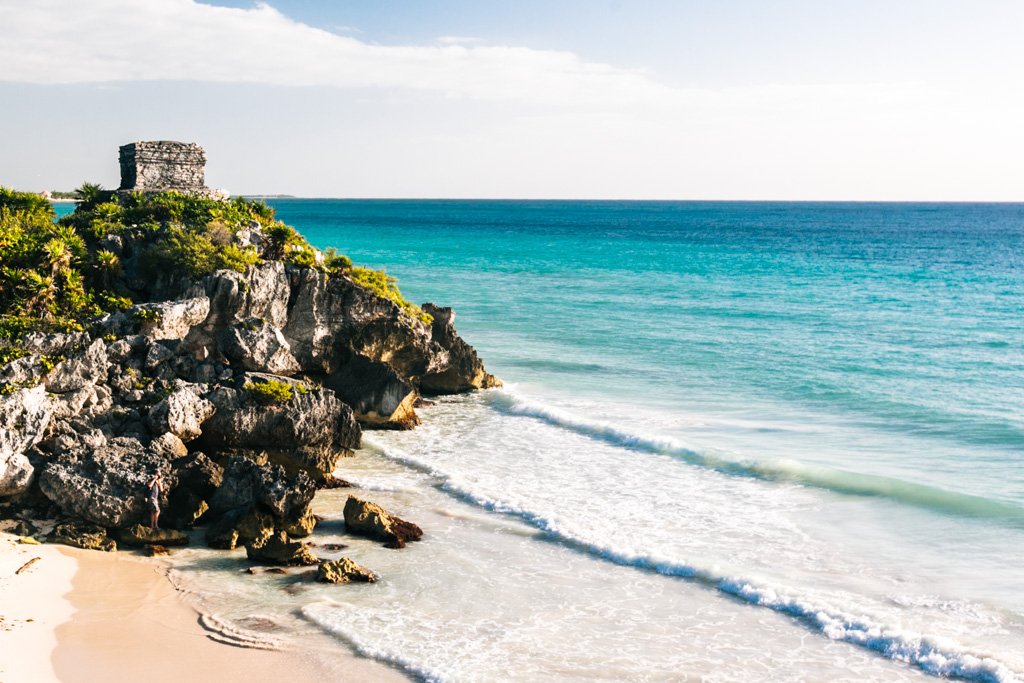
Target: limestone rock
x=258 y=346
x=344 y=570
x=105 y=485
x=199 y=474
x=302 y=526
x=363 y=518
x=331 y=320
x=56 y=343
x=249 y=486
x=80 y=370
x=182 y=413
x=24 y=417
x=82 y=535
x=170 y=319
x=465 y=371
x=278 y=549
x=169 y=445
x=376 y=393
x=239 y=527
x=138 y=535
x=261 y=293
x=307 y=433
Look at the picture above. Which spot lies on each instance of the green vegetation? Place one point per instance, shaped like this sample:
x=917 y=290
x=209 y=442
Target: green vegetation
x=147 y=316
x=108 y=253
x=269 y=392
x=382 y=284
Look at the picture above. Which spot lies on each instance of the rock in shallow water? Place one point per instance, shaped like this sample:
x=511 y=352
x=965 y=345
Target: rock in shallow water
x=279 y=549
x=137 y=535
x=344 y=571
x=363 y=518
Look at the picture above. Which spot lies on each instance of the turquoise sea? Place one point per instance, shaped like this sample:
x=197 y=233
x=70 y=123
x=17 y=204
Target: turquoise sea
x=737 y=441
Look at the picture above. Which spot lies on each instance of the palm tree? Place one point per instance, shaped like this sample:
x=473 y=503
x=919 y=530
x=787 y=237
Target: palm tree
x=42 y=293
x=91 y=194
x=58 y=255
x=109 y=266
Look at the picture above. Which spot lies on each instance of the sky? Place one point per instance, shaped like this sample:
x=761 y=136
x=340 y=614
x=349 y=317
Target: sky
x=603 y=99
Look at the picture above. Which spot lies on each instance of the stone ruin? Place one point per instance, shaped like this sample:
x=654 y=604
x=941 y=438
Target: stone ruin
x=161 y=165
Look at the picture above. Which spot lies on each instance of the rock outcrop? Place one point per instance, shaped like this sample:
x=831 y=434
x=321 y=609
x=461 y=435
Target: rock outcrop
x=363 y=518
x=279 y=549
x=243 y=389
x=464 y=371
x=344 y=571
x=308 y=432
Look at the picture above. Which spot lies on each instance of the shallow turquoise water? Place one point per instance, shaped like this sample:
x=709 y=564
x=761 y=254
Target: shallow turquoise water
x=900 y=324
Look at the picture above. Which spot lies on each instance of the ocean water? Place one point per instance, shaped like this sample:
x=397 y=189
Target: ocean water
x=737 y=441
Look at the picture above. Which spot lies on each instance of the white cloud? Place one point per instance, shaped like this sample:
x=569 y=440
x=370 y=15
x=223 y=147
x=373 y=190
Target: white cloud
x=95 y=41
x=460 y=118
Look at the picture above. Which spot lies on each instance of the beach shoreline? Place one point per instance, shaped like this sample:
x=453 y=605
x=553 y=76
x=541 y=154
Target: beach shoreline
x=78 y=615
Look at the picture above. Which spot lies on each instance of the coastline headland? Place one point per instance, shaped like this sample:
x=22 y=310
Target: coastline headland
x=165 y=330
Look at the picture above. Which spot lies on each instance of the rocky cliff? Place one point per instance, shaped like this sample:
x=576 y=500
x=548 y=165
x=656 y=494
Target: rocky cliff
x=242 y=386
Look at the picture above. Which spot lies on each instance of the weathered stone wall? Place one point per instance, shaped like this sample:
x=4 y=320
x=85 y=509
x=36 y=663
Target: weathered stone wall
x=155 y=166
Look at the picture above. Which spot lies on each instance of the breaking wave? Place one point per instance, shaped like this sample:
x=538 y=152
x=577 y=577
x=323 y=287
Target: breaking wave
x=935 y=656
x=838 y=481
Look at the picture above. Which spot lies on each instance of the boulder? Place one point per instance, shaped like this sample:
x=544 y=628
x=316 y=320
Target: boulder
x=78 y=371
x=174 y=319
x=56 y=343
x=199 y=474
x=332 y=319
x=258 y=346
x=82 y=535
x=239 y=527
x=465 y=371
x=363 y=518
x=169 y=446
x=307 y=433
x=344 y=571
x=105 y=485
x=261 y=292
x=279 y=549
x=301 y=527
x=182 y=413
x=139 y=535
x=24 y=417
x=266 y=488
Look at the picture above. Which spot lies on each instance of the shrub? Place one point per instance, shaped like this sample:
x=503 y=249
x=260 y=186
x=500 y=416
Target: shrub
x=147 y=315
x=269 y=392
x=335 y=262
x=382 y=284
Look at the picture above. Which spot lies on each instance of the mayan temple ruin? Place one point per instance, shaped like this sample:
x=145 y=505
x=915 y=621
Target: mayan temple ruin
x=161 y=165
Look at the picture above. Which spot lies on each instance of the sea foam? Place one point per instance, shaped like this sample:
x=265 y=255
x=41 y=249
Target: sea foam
x=935 y=656
x=777 y=469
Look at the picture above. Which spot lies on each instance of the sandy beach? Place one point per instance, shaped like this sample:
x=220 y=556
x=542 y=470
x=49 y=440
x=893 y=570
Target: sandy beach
x=76 y=615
